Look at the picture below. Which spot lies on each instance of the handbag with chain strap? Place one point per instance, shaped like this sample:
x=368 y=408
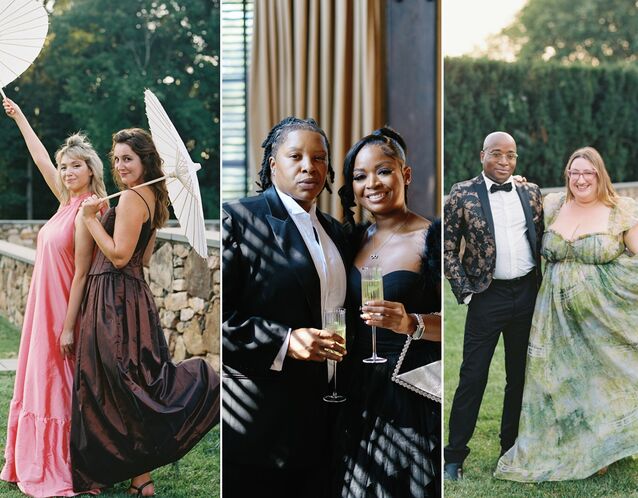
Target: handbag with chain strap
x=424 y=380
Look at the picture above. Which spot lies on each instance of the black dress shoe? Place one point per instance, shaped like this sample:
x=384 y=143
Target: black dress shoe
x=452 y=471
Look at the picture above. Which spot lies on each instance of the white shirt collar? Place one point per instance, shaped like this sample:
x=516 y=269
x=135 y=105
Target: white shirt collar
x=293 y=207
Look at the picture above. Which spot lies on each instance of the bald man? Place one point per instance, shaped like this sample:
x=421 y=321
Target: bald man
x=497 y=276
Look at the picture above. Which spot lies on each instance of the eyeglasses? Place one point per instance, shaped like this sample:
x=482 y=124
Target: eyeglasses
x=510 y=156
x=587 y=174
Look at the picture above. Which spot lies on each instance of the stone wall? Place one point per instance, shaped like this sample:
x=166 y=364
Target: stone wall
x=185 y=287
x=629 y=190
x=186 y=290
x=15 y=278
x=20 y=232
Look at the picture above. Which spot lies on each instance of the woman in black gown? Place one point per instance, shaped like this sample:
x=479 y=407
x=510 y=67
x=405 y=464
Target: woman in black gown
x=389 y=436
x=133 y=410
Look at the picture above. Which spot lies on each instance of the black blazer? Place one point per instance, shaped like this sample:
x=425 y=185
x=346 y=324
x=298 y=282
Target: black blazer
x=468 y=218
x=270 y=285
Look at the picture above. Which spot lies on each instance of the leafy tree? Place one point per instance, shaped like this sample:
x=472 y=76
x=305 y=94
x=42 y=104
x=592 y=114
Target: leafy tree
x=588 y=31
x=91 y=76
x=37 y=94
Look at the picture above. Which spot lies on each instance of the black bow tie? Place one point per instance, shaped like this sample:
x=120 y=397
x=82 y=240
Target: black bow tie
x=506 y=187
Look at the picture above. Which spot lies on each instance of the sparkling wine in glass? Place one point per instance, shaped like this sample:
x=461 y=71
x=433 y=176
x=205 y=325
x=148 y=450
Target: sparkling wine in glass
x=372 y=290
x=334 y=320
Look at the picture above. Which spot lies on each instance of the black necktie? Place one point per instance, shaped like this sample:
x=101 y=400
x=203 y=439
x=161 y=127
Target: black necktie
x=506 y=187
x=316 y=235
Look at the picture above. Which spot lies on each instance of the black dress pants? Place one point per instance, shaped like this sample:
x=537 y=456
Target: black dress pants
x=505 y=306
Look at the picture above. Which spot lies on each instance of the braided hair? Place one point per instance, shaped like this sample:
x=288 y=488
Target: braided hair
x=391 y=143
x=277 y=136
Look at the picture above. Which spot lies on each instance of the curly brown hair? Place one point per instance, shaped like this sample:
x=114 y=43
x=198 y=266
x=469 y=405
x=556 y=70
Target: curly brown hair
x=141 y=142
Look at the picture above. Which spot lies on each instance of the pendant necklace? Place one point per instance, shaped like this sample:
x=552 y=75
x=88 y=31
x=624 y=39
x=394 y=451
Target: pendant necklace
x=375 y=250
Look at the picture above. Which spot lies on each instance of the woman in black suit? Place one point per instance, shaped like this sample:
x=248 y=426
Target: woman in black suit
x=283 y=263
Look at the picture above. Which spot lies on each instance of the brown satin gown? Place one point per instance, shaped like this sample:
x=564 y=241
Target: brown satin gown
x=133 y=409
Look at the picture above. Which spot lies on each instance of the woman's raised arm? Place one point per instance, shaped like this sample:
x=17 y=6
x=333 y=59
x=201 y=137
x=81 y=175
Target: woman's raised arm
x=39 y=154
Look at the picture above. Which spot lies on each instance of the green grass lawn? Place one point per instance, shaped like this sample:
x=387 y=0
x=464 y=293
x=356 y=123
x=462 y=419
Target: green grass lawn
x=620 y=481
x=9 y=339
x=194 y=476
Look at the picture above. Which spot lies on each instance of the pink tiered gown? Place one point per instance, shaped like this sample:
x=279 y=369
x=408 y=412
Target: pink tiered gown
x=37 y=451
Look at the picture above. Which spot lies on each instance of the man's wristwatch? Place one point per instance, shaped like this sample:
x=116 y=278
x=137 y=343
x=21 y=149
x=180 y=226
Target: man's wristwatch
x=420 y=327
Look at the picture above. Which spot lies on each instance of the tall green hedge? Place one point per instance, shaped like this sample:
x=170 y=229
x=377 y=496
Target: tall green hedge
x=549 y=109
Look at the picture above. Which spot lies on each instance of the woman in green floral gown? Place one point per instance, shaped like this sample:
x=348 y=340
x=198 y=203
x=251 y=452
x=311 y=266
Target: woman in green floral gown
x=580 y=403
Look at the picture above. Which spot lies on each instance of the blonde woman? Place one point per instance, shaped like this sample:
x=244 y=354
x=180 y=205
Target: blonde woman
x=37 y=449
x=580 y=410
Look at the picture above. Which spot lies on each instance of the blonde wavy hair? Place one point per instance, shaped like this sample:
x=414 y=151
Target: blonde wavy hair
x=77 y=147
x=606 y=193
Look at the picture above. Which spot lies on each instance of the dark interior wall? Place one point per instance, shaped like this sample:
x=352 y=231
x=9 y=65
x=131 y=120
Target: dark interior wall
x=411 y=62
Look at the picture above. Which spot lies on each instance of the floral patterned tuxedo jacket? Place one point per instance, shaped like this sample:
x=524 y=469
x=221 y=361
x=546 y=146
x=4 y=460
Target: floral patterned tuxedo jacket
x=469 y=249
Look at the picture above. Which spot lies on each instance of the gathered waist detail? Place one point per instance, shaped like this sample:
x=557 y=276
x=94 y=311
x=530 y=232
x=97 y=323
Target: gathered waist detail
x=136 y=273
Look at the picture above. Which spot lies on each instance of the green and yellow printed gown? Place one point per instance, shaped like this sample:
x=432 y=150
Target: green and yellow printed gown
x=580 y=403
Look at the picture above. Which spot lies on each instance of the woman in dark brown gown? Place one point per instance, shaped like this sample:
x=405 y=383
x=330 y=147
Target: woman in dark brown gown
x=133 y=410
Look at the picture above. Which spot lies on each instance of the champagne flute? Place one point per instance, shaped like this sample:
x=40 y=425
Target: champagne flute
x=334 y=320
x=372 y=290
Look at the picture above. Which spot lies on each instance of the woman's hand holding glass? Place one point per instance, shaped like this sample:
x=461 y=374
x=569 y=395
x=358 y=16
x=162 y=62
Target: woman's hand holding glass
x=316 y=345
x=393 y=316
x=388 y=315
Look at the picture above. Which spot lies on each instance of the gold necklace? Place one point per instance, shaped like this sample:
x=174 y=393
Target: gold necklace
x=375 y=251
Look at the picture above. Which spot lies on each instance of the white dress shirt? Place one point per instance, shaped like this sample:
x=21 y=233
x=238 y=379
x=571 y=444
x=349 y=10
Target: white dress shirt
x=514 y=256
x=327 y=261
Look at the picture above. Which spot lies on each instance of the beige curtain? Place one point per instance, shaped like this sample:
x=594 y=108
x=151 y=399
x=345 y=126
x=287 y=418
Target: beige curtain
x=322 y=59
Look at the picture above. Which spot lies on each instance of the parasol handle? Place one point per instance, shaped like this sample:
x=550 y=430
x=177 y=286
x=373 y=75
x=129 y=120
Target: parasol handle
x=117 y=194
x=2 y=92
x=170 y=176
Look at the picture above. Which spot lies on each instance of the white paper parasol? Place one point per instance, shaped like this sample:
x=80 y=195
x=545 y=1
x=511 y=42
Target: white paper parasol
x=23 y=28
x=184 y=189
x=179 y=173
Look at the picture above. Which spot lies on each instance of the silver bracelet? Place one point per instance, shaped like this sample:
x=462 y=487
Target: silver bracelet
x=420 y=327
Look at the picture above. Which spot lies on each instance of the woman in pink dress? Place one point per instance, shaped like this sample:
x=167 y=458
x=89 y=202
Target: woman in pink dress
x=37 y=449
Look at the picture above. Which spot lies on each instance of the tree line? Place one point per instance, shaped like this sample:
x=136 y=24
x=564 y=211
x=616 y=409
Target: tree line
x=98 y=58
x=549 y=108
x=573 y=82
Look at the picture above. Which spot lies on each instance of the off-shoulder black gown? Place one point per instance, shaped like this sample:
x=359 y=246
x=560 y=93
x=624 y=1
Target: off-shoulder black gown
x=388 y=438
